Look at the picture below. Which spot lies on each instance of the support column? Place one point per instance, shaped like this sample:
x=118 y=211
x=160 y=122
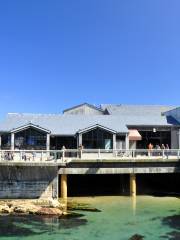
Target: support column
x=55 y=187
x=127 y=141
x=0 y=141
x=80 y=139
x=132 y=184
x=179 y=139
x=114 y=141
x=64 y=186
x=12 y=141
x=48 y=142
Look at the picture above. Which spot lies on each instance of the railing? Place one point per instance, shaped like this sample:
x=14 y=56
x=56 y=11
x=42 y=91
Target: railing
x=66 y=155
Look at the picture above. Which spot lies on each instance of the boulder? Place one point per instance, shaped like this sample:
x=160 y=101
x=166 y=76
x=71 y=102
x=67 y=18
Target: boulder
x=49 y=211
x=20 y=209
x=136 y=237
x=54 y=203
x=4 y=209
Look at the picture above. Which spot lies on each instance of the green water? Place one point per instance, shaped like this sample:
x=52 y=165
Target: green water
x=119 y=219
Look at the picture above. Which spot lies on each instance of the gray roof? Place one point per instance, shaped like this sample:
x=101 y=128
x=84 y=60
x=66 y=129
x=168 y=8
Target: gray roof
x=121 y=117
x=84 y=104
x=136 y=110
x=63 y=124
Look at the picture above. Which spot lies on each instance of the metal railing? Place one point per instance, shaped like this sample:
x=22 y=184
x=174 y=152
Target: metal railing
x=66 y=155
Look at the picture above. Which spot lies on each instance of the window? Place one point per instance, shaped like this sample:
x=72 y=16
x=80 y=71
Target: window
x=30 y=139
x=97 y=138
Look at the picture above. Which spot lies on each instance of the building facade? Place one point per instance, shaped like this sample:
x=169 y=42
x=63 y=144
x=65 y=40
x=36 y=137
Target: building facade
x=105 y=127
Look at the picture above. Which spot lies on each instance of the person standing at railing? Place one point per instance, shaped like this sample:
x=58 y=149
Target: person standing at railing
x=150 y=149
x=158 y=148
x=163 y=149
x=167 y=150
x=63 y=151
x=24 y=157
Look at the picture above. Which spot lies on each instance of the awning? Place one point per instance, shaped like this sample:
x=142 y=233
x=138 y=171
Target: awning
x=134 y=135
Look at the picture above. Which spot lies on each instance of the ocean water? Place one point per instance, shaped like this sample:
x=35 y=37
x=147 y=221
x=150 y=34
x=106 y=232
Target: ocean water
x=119 y=218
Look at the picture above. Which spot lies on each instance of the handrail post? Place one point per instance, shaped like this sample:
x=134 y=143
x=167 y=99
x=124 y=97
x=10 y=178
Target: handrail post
x=115 y=153
x=99 y=153
x=63 y=154
x=163 y=153
x=80 y=150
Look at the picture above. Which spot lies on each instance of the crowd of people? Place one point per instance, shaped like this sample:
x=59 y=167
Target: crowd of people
x=158 y=147
x=158 y=150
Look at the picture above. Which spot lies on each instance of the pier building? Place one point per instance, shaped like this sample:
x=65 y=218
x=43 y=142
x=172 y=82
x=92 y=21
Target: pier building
x=40 y=152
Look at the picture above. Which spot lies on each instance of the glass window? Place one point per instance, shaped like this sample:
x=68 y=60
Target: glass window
x=5 y=141
x=30 y=139
x=97 y=138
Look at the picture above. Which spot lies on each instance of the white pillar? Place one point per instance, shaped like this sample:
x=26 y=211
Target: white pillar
x=179 y=138
x=0 y=141
x=80 y=139
x=12 y=141
x=48 y=142
x=127 y=141
x=114 y=141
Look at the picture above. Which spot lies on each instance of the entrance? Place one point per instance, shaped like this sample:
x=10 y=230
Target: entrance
x=155 y=138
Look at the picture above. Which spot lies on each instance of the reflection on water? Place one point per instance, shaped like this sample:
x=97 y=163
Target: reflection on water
x=21 y=226
x=120 y=218
x=133 y=199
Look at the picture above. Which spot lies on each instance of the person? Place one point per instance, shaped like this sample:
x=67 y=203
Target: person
x=163 y=148
x=167 y=146
x=158 y=148
x=150 y=148
x=167 y=150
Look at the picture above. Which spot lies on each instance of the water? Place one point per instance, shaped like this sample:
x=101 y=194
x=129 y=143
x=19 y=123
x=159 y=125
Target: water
x=119 y=219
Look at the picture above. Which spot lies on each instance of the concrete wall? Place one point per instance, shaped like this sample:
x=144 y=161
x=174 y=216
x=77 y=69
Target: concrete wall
x=174 y=138
x=121 y=168
x=28 y=182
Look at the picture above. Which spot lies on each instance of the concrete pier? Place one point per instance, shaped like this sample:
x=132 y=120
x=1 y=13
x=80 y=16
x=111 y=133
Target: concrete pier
x=64 y=186
x=30 y=182
x=132 y=184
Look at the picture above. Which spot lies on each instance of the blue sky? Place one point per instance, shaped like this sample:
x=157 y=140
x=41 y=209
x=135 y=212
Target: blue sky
x=55 y=54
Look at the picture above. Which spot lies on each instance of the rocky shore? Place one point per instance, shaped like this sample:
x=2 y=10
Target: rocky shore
x=36 y=207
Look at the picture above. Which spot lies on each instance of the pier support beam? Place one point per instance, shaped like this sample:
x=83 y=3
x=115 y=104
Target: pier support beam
x=64 y=186
x=132 y=184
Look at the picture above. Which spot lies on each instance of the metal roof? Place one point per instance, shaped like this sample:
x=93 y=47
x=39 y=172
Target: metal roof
x=83 y=104
x=120 y=117
x=136 y=110
x=63 y=124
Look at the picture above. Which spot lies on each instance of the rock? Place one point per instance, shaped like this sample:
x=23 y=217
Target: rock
x=54 y=203
x=136 y=237
x=5 y=209
x=33 y=209
x=20 y=209
x=49 y=211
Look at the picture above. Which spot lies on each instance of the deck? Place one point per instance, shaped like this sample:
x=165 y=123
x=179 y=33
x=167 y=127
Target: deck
x=66 y=156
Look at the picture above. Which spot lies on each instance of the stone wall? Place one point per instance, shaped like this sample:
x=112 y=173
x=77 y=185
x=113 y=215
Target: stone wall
x=28 y=182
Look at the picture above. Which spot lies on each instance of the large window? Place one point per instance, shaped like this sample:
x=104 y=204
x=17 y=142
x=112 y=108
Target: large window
x=30 y=139
x=97 y=138
x=5 y=141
